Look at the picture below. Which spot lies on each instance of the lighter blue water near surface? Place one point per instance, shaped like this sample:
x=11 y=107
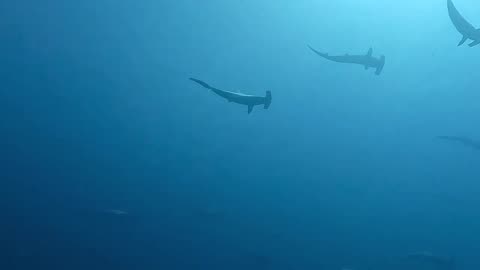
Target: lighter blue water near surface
x=113 y=159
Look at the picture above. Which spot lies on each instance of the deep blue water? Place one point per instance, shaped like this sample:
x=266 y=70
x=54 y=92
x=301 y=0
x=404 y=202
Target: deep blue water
x=344 y=170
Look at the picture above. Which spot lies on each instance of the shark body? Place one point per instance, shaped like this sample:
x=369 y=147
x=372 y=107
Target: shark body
x=249 y=100
x=367 y=60
x=465 y=28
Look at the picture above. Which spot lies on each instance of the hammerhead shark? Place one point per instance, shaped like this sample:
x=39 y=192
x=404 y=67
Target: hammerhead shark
x=367 y=60
x=239 y=98
x=467 y=30
x=463 y=140
x=439 y=262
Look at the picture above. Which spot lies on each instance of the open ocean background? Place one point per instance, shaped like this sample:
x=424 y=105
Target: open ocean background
x=344 y=170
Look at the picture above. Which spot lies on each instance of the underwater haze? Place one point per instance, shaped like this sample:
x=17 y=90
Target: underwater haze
x=113 y=159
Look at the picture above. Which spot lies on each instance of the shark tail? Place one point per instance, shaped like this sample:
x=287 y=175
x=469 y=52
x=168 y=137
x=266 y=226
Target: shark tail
x=268 y=100
x=381 y=65
x=317 y=52
x=202 y=83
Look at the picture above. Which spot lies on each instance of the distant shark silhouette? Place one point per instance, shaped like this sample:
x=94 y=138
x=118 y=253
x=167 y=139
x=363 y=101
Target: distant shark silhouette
x=463 y=140
x=115 y=212
x=439 y=262
x=367 y=60
x=467 y=30
x=239 y=98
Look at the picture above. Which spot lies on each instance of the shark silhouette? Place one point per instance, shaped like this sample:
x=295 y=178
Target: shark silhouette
x=465 y=28
x=439 y=262
x=463 y=140
x=367 y=60
x=239 y=98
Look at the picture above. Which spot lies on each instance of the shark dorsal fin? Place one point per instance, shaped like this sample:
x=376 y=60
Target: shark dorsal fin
x=370 y=51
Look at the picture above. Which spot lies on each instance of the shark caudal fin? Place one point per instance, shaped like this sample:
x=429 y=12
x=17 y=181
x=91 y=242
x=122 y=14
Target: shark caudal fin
x=268 y=100
x=380 y=65
x=317 y=52
x=202 y=83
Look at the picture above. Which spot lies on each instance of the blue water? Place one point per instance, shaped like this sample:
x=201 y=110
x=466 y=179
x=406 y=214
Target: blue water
x=344 y=169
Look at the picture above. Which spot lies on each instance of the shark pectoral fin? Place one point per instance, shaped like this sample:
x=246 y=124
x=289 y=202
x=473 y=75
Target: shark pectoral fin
x=381 y=65
x=464 y=38
x=474 y=43
x=250 y=108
